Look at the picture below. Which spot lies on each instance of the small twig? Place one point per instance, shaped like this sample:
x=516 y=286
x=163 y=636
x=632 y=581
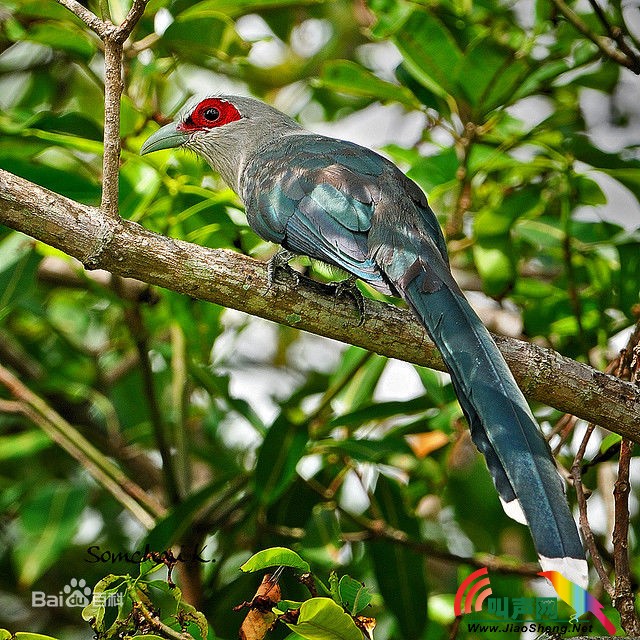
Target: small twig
x=375 y=529
x=589 y=538
x=597 y=9
x=464 y=145
x=113 y=38
x=137 y=329
x=113 y=87
x=455 y=626
x=130 y=21
x=563 y=428
x=11 y=406
x=614 y=32
x=14 y=355
x=628 y=59
x=155 y=621
x=624 y=598
x=88 y=17
x=135 y=48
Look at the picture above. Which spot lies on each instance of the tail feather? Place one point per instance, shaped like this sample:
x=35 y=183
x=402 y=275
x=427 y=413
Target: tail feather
x=501 y=423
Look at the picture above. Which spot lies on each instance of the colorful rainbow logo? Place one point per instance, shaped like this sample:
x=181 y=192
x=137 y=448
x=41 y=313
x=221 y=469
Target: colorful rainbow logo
x=468 y=601
x=577 y=598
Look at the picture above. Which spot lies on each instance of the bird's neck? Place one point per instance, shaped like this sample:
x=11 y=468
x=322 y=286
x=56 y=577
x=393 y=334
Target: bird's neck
x=234 y=152
x=278 y=141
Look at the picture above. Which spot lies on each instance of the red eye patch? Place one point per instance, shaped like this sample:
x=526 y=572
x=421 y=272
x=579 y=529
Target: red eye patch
x=210 y=113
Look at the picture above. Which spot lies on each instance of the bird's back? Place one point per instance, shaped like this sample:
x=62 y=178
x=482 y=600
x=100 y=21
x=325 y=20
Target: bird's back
x=327 y=197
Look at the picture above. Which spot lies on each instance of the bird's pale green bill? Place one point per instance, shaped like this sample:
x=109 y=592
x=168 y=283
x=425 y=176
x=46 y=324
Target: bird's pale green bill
x=166 y=138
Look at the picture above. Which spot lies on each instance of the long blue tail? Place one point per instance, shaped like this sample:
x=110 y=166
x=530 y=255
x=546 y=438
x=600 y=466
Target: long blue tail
x=502 y=425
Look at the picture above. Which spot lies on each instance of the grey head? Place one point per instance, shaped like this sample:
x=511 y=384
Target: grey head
x=225 y=130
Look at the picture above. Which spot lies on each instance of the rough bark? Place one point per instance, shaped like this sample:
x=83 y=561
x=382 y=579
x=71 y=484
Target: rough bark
x=234 y=280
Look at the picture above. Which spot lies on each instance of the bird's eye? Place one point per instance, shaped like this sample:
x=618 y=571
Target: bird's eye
x=211 y=114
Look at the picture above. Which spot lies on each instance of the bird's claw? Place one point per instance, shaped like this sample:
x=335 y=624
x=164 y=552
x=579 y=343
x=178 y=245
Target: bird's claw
x=349 y=287
x=280 y=260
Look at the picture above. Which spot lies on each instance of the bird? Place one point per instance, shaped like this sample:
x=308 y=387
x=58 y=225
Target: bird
x=578 y=599
x=348 y=206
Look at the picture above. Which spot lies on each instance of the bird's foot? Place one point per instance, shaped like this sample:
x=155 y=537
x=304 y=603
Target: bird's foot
x=280 y=260
x=348 y=287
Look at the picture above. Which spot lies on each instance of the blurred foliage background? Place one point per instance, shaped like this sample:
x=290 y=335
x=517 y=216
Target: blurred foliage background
x=525 y=138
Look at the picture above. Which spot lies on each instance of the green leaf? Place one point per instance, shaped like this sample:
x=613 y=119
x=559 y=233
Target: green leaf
x=275 y=557
x=23 y=445
x=65 y=37
x=542 y=232
x=281 y=450
x=588 y=191
x=48 y=521
x=174 y=611
x=95 y=611
x=354 y=596
x=68 y=184
x=495 y=262
x=323 y=619
x=349 y=77
x=390 y=16
x=629 y=284
x=381 y=411
x=37 y=9
x=626 y=171
x=73 y=123
x=18 y=266
x=235 y=8
x=197 y=35
x=489 y=73
x=430 y=52
x=286 y=605
x=610 y=440
x=436 y=170
x=148 y=567
x=367 y=450
x=404 y=588
x=495 y=221
x=363 y=370
x=171 y=527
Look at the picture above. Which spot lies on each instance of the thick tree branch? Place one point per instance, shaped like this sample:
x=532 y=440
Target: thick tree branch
x=233 y=280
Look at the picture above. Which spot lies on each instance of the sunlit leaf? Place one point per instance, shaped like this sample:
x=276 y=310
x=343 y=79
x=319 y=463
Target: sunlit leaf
x=48 y=521
x=23 y=445
x=239 y=7
x=275 y=557
x=349 y=77
x=323 y=619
